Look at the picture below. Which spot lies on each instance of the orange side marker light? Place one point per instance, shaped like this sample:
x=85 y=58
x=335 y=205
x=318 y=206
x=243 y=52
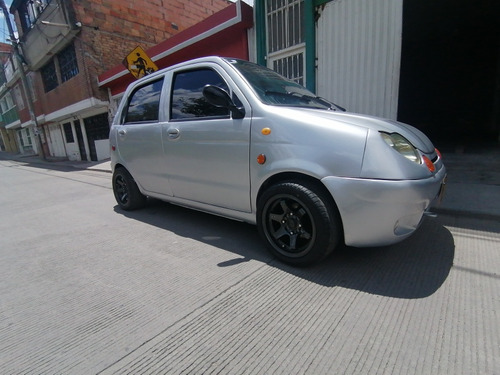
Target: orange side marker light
x=261 y=159
x=429 y=163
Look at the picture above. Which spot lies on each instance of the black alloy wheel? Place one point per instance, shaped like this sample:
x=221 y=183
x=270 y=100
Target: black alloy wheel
x=126 y=191
x=300 y=224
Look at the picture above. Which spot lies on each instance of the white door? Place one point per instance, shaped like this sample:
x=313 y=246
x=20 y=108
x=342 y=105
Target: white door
x=56 y=144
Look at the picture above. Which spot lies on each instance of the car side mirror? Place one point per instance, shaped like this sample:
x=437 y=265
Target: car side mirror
x=220 y=98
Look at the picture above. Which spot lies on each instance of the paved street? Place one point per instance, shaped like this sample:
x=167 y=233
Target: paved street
x=86 y=288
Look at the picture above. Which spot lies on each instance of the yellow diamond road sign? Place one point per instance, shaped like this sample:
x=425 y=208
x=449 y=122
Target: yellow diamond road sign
x=139 y=64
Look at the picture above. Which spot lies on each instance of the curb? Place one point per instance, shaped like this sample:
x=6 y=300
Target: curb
x=463 y=213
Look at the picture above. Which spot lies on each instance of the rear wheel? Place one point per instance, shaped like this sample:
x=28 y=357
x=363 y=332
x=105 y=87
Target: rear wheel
x=300 y=223
x=127 y=193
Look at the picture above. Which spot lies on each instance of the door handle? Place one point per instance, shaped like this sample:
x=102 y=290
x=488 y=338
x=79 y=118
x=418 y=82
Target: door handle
x=173 y=133
x=122 y=132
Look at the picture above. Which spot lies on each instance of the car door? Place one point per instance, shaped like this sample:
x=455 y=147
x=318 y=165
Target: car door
x=139 y=137
x=206 y=150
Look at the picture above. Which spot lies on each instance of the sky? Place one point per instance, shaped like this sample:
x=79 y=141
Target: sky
x=4 y=31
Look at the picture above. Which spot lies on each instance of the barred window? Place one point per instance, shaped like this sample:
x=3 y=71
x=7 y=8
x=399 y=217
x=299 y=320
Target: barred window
x=68 y=64
x=286 y=38
x=291 y=67
x=284 y=24
x=49 y=76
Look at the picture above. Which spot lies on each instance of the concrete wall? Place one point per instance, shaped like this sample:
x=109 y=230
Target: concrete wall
x=359 y=54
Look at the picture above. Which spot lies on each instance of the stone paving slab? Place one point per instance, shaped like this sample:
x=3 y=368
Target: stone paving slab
x=326 y=320
x=91 y=290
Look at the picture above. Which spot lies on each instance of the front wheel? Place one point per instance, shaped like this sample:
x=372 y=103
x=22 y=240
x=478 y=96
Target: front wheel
x=300 y=223
x=127 y=193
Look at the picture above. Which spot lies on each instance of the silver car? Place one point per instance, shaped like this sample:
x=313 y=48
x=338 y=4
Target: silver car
x=235 y=139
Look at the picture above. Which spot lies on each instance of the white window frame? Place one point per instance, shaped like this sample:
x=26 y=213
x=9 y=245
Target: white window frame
x=6 y=102
x=297 y=70
x=291 y=48
x=19 y=97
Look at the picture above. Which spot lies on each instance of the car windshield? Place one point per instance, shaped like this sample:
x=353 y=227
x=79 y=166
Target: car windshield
x=274 y=89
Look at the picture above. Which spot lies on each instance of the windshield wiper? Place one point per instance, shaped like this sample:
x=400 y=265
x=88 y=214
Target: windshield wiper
x=332 y=106
x=315 y=99
x=286 y=93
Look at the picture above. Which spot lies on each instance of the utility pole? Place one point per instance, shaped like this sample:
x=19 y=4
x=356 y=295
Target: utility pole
x=24 y=80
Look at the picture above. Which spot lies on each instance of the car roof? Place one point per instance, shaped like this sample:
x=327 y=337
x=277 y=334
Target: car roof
x=184 y=63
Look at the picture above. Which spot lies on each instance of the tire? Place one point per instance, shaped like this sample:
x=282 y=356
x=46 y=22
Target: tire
x=299 y=223
x=127 y=193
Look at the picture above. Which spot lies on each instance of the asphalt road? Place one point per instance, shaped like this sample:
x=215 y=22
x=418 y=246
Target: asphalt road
x=86 y=288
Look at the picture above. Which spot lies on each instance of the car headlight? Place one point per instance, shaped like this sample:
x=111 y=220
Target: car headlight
x=402 y=145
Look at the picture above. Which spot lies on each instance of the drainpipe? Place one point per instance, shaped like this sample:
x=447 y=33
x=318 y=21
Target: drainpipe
x=24 y=80
x=310 y=39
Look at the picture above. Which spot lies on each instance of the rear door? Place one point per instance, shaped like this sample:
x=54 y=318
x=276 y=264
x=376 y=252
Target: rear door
x=139 y=137
x=206 y=150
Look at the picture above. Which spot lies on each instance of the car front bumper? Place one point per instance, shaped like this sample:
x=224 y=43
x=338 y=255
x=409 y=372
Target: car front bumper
x=382 y=212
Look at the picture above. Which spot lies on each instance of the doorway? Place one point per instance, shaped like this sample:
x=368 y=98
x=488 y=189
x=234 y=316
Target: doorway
x=450 y=70
x=79 y=138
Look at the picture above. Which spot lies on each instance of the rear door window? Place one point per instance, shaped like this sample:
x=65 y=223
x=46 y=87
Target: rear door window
x=144 y=103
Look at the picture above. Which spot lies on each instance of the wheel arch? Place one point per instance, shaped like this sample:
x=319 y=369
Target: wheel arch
x=305 y=179
x=119 y=165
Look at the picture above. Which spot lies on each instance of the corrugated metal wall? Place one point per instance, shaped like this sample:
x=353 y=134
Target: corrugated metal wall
x=359 y=55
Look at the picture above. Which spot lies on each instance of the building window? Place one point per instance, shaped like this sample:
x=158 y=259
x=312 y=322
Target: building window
x=68 y=133
x=284 y=24
x=97 y=127
x=29 y=11
x=3 y=105
x=19 y=97
x=68 y=64
x=286 y=38
x=24 y=137
x=291 y=66
x=32 y=87
x=49 y=76
x=6 y=103
x=68 y=68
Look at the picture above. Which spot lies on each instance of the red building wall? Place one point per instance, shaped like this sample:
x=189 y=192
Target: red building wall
x=224 y=34
x=113 y=28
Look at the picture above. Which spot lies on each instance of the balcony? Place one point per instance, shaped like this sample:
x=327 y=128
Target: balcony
x=45 y=31
x=9 y=117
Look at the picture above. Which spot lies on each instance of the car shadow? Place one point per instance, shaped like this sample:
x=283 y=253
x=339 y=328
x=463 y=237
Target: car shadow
x=42 y=166
x=414 y=268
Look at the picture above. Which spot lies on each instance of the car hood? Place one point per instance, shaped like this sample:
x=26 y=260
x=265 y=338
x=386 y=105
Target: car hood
x=415 y=136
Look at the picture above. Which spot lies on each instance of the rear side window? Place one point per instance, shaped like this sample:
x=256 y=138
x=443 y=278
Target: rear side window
x=144 y=103
x=187 y=95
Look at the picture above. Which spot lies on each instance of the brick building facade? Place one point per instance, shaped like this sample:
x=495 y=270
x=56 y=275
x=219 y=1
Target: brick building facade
x=66 y=45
